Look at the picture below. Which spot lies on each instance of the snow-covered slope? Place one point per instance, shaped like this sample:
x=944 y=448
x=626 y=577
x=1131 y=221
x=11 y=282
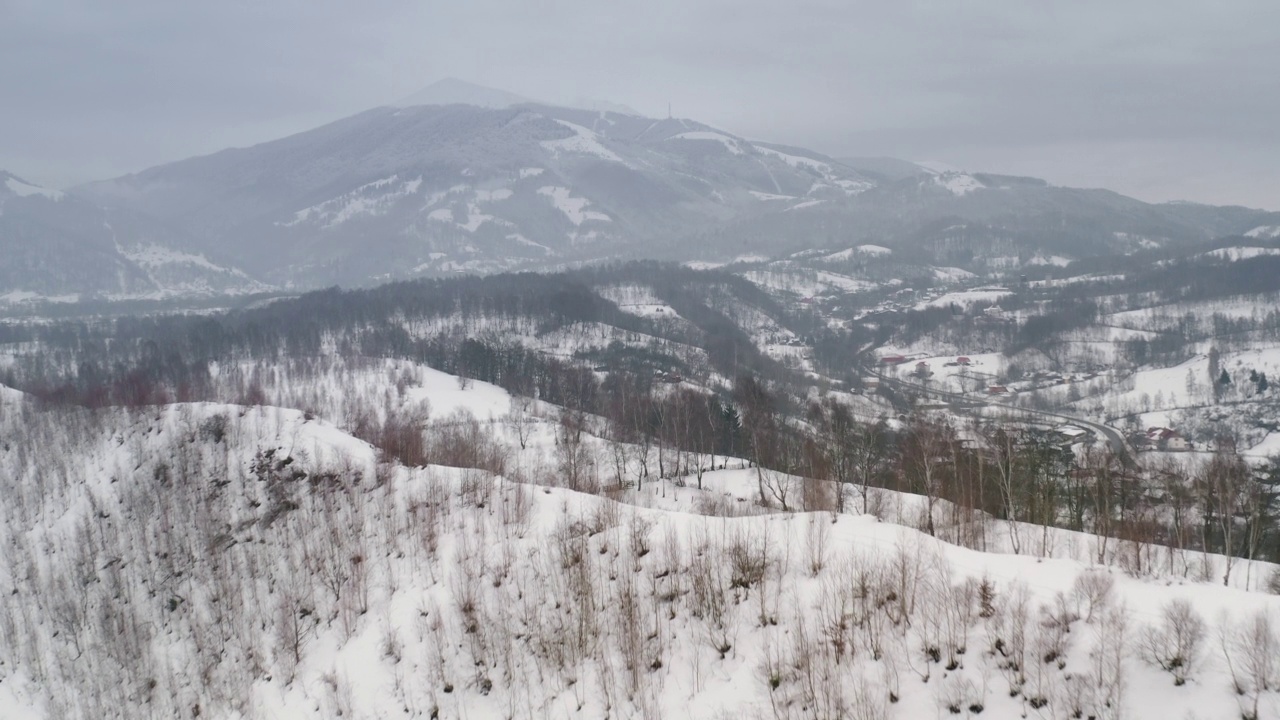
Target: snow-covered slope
x=228 y=562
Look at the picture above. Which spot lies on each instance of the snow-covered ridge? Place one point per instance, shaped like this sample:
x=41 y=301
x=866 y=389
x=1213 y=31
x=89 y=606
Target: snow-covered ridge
x=1263 y=232
x=24 y=189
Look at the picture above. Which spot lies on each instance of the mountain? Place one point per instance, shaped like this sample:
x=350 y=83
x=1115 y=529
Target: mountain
x=396 y=192
x=461 y=178
x=452 y=91
x=979 y=221
x=56 y=245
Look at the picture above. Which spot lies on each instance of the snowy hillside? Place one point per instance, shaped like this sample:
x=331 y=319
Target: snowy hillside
x=224 y=561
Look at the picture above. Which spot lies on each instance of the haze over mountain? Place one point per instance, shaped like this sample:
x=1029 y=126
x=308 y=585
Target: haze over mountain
x=465 y=178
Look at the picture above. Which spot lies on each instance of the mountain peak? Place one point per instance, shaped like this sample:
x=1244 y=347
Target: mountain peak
x=452 y=91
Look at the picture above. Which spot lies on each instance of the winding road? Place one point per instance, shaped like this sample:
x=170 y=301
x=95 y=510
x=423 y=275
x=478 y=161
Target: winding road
x=1114 y=439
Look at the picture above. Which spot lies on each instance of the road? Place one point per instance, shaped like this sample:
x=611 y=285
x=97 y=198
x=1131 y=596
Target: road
x=1114 y=439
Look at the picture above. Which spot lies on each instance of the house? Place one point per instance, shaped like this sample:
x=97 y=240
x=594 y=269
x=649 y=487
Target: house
x=997 y=390
x=892 y=360
x=964 y=361
x=1165 y=438
x=922 y=369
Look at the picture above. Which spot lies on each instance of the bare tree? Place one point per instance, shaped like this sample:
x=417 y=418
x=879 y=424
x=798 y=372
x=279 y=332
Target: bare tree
x=1252 y=652
x=1176 y=644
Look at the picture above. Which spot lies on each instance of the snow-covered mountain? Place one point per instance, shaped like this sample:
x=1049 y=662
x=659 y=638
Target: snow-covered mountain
x=395 y=192
x=954 y=217
x=57 y=246
x=465 y=178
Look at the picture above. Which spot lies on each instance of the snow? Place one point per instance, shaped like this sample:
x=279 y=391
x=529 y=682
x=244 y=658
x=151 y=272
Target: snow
x=475 y=218
x=22 y=189
x=14 y=297
x=795 y=161
x=582 y=142
x=1235 y=254
x=983 y=370
x=952 y=274
x=573 y=208
x=1163 y=317
x=849 y=254
x=965 y=298
x=638 y=300
x=493 y=195
x=1269 y=447
x=371 y=199
x=154 y=256
x=530 y=172
x=474 y=581
x=1054 y=260
x=958 y=184
x=730 y=144
x=805 y=204
x=848 y=185
x=804 y=282
x=526 y=241
x=770 y=196
x=446 y=396
x=1076 y=280
x=1264 y=232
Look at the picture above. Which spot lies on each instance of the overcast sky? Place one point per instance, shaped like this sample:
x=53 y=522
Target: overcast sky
x=1160 y=99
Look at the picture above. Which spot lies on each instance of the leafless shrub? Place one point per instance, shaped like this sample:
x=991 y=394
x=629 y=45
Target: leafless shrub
x=819 y=495
x=748 y=556
x=819 y=540
x=1252 y=652
x=638 y=534
x=1176 y=643
x=778 y=486
x=460 y=440
x=1107 y=680
x=1092 y=589
x=1054 y=636
x=715 y=505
